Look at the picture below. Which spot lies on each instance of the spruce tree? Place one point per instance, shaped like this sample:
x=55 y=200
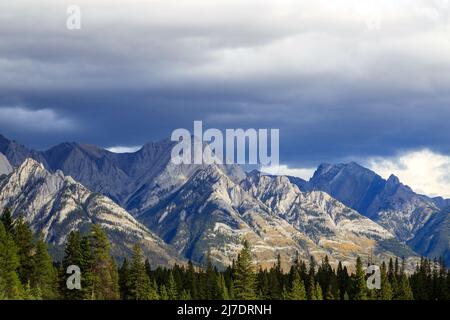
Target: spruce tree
x=297 y=291
x=185 y=295
x=7 y=220
x=342 y=279
x=223 y=289
x=86 y=264
x=191 y=282
x=9 y=263
x=30 y=294
x=44 y=276
x=244 y=276
x=319 y=295
x=24 y=239
x=153 y=293
x=275 y=287
x=212 y=289
x=163 y=295
x=172 y=291
x=404 y=290
x=386 y=290
x=359 y=282
x=140 y=288
x=124 y=280
x=312 y=293
x=105 y=284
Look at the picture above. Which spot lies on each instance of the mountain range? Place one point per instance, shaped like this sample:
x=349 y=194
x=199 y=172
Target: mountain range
x=415 y=219
x=190 y=211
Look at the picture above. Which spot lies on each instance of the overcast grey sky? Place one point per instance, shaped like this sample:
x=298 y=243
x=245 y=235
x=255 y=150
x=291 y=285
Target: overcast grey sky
x=342 y=80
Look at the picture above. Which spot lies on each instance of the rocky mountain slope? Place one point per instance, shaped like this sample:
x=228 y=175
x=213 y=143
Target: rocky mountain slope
x=54 y=204
x=213 y=212
x=322 y=218
x=433 y=240
x=5 y=166
x=186 y=204
x=390 y=203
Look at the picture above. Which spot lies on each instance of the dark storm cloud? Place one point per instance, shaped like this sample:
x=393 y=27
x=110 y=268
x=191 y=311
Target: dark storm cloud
x=138 y=70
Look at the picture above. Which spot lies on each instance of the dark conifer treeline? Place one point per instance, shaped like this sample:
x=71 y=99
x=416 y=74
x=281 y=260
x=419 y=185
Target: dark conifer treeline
x=27 y=272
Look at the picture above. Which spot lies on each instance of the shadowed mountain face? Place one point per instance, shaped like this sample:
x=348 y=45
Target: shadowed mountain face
x=353 y=185
x=433 y=240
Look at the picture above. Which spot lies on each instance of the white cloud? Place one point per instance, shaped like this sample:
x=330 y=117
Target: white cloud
x=40 y=120
x=425 y=171
x=124 y=149
x=283 y=170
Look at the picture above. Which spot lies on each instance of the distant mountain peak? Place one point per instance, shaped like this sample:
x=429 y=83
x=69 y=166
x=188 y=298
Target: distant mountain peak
x=393 y=180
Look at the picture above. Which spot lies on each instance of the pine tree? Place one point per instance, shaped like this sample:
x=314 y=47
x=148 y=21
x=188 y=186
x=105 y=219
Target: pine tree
x=325 y=274
x=24 y=239
x=86 y=265
x=212 y=289
x=318 y=295
x=329 y=295
x=163 y=295
x=153 y=293
x=124 y=280
x=223 y=289
x=386 y=290
x=44 y=277
x=2 y=290
x=105 y=284
x=275 y=287
x=244 y=276
x=263 y=285
x=9 y=263
x=312 y=293
x=140 y=288
x=172 y=291
x=342 y=279
x=185 y=295
x=7 y=221
x=359 y=282
x=297 y=291
x=30 y=294
x=404 y=290
x=392 y=277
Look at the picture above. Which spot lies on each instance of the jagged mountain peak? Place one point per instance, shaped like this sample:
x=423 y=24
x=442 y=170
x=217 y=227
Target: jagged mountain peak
x=328 y=171
x=212 y=211
x=16 y=153
x=30 y=164
x=388 y=202
x=393 y=180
